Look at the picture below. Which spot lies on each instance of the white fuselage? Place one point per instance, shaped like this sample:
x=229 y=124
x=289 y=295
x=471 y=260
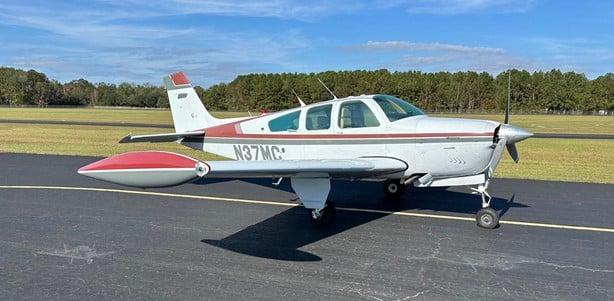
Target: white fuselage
x=441 y=147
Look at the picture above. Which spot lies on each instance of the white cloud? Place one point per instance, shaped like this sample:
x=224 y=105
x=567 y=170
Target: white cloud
x=112 y=44
x=282 y=9
x=405 y=45
x=573 y=54
x=452 y=7
x=436 y=56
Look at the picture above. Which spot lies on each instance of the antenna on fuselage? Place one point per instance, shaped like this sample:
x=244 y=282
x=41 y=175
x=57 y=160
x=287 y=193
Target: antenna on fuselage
x=299 y=98
x=327 y=89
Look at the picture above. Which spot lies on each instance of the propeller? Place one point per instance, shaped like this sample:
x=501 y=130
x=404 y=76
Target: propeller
x=508 y=132
x=511 y=148
x=509 y=91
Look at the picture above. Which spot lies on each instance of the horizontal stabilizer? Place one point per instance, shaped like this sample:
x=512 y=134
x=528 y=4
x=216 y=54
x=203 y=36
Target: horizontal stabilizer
x=170 y=137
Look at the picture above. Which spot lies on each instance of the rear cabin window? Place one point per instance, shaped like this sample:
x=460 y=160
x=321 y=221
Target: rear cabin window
x=287 y=122
x=318 y=118
x=356 y=114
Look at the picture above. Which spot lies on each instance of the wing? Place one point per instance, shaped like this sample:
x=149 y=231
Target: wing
x=337 y=168
x=160 y=169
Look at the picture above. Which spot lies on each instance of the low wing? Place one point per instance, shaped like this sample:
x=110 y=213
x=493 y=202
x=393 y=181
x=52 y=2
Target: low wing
x=335 y=168
x=170 y=137
x=159 y=169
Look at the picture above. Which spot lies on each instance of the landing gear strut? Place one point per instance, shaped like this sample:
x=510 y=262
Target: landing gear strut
x=487 y=217
x=324 y=216
x=394 y=188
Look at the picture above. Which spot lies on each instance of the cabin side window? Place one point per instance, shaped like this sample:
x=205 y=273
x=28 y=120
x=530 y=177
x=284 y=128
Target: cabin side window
x=396 y=108
x=318 y=118
x=356 y=114
x=287 y=122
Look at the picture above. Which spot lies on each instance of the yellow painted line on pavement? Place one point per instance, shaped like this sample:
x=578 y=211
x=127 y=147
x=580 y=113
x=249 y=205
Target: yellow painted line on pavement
x=151 y=193
x=258 y=202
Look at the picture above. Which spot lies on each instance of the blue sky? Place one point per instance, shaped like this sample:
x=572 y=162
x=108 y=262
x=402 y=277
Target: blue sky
x=213 y=41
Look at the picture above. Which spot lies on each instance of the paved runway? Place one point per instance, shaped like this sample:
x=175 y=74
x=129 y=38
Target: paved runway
x=170 y=126
x=248 y=240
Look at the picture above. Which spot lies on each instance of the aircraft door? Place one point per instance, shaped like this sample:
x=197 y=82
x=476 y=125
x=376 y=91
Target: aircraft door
x=355 y=118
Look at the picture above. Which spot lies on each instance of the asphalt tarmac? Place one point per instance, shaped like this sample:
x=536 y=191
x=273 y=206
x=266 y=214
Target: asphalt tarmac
x=67 y=237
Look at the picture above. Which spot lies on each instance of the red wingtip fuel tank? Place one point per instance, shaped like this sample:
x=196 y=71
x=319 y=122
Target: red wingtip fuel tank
x=146 y=169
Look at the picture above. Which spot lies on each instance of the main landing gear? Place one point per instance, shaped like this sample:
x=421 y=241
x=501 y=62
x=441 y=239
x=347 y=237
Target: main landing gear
x=324 y=216
x=487 y=217
x=394 y=188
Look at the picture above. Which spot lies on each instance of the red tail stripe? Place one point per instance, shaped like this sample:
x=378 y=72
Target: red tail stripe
x=179 y=79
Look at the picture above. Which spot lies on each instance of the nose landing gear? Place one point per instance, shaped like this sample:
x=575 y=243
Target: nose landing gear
x=487 y=217
x=324 y=216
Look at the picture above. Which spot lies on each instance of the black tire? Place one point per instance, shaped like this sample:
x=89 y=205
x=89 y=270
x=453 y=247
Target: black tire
x=394 y=188
x=326 y=217
x=487 y=218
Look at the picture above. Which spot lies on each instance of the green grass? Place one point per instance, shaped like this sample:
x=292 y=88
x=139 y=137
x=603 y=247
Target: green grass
x=534 y=123
x=548 y=159
x=82 y=140
x=552 y=123
x=151 y=116
x=577 y=160
x=544 y=159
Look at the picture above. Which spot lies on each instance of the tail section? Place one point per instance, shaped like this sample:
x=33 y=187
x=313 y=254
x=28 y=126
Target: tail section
x=189 y=113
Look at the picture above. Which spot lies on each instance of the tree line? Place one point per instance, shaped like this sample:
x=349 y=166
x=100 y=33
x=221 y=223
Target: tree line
x=439 y=91
x=19 y=87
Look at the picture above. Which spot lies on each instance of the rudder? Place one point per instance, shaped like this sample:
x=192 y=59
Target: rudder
x=189 y=113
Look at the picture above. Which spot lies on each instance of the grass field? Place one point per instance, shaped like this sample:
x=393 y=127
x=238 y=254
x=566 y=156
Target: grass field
x=552 y=123
x=155 y=116
x=81 y=140
x=547 y=159
x=534 y=123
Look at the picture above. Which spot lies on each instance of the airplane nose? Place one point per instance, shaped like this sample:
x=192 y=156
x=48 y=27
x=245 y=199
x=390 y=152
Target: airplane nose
x=513 y=134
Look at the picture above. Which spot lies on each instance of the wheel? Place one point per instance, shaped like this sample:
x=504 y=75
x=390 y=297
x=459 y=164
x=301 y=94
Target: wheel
x=325 y=216
x=394 y=188
x=487 y=218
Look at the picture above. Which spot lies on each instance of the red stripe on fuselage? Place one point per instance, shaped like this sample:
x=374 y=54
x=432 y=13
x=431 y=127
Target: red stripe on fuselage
x=229 y=130
x=350 y=136
x=142 y=160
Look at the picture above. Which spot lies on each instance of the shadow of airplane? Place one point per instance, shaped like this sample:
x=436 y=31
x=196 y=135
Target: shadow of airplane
x=280 y=237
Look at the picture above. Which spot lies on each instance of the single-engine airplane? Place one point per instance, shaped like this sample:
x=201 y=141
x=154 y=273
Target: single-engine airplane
x=366 y=137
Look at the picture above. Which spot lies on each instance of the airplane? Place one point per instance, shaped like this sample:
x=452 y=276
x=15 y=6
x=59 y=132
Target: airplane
x=367 y=137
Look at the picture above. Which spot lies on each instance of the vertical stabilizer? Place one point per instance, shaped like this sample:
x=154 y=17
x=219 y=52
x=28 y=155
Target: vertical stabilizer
x=189 y=113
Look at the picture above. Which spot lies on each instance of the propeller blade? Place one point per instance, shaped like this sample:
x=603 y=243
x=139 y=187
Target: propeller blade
x=511 y=148
x=496 y=156
x=507 y=104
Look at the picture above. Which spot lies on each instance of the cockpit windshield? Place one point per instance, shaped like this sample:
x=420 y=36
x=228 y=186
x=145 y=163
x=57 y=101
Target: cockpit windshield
x=396 y=108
